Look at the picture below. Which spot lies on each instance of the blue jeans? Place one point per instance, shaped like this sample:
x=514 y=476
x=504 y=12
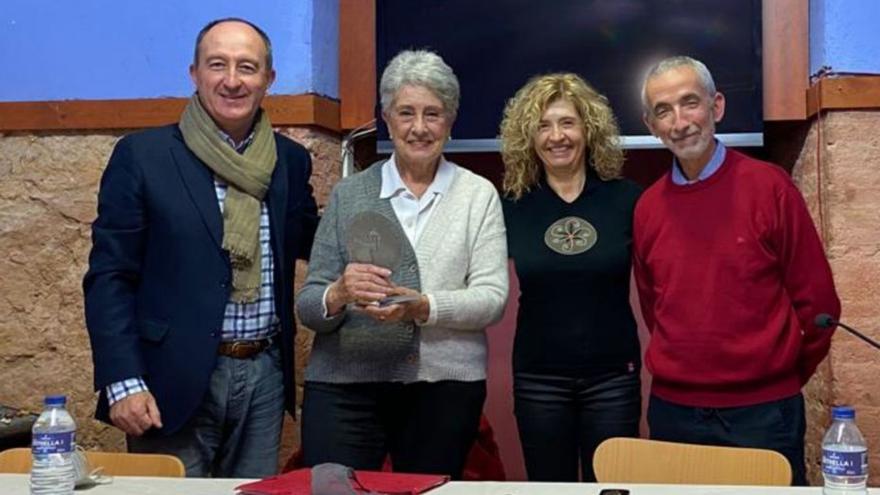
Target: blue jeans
x=236 y=431
x=424 y=427
x=777 y=425
x=561 y=420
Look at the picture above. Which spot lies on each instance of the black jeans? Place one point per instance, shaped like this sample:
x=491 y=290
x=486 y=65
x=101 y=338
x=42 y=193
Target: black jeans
x=425 y=427
x=562 y=420
x=778 y=425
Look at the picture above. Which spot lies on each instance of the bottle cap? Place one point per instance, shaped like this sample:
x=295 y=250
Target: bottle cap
x=55 y=400
x=843 y=412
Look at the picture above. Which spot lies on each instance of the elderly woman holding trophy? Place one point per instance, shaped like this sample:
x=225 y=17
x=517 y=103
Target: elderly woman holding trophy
x=408 y=268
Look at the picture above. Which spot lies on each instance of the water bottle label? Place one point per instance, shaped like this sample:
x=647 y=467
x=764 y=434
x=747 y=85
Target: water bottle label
x=53 y=443
x=837 y=463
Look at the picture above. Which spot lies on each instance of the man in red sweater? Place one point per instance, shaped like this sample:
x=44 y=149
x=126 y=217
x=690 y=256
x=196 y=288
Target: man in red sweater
x=730 y=274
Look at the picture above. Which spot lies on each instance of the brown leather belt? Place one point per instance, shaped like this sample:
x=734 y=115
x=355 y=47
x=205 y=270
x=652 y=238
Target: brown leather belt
x=243 y=349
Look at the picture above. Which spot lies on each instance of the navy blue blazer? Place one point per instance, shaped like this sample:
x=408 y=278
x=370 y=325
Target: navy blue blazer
x=158 y=279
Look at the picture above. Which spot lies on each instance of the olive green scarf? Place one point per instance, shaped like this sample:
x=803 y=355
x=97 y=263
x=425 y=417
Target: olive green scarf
x=248 y=175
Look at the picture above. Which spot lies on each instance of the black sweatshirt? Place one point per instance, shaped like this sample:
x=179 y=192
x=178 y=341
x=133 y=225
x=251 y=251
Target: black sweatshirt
x=574 y=314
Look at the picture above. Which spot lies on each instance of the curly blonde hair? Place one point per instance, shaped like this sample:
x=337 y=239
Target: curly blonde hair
x=523 y=112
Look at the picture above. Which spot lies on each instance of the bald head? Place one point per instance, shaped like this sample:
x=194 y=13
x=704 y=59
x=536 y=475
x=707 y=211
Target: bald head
x=266 y=41
x=231 y=75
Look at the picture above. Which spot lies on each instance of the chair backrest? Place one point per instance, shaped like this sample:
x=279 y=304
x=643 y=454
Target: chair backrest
x=635 y=460
x=15 y=461
x=113 y=463
x=124 y=464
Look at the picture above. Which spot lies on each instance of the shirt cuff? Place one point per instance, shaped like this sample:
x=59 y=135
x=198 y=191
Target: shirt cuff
x=327 y=315
x=432 y=313
x=120 y=390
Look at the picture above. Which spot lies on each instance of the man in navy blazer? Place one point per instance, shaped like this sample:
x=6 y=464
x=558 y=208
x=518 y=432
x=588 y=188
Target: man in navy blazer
x=190 y=360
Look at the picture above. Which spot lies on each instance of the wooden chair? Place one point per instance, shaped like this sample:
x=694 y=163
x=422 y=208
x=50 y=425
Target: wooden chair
x=15 y=461
x=114 y=463
x=635 y=460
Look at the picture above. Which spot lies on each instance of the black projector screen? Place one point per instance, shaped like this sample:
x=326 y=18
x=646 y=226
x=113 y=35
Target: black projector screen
x=494 y=46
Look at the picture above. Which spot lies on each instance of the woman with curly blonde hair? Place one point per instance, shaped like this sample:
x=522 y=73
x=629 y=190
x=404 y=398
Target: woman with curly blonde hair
x=568 y=213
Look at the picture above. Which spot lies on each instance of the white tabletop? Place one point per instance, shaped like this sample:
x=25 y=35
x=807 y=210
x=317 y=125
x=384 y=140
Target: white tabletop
x=17 y=484
x=513 y=488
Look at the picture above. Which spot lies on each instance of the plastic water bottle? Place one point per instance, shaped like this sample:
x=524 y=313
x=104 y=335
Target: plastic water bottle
x=844 y=455
x=53 y=446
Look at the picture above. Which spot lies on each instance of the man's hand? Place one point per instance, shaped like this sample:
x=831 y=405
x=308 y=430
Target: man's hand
x=360 y=283
x=136 y=414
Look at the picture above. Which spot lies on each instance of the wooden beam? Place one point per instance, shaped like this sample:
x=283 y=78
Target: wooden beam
x=843 y=93
x=283 y=110
x=357 y=62
x=303 y=110
x=786 y=58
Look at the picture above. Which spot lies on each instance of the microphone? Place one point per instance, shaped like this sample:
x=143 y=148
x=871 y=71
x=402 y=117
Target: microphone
x=824 y=320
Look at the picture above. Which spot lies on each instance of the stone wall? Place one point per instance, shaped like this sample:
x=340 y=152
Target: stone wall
x=326 y=171
x=47 y=201
x=48 y=186
x=842 y=181
x=818 y=393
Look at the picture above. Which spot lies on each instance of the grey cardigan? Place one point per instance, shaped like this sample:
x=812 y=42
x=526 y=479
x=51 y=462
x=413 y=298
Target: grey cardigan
x=460 y=263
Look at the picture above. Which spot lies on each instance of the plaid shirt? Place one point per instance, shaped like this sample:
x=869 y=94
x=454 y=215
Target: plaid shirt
x=241 y=321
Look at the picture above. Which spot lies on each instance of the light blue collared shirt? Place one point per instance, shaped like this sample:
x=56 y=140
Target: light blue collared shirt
x=714 y=164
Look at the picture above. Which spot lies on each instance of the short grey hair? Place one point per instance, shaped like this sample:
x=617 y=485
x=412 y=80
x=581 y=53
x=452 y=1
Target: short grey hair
x=670 y=63
x=420 y=68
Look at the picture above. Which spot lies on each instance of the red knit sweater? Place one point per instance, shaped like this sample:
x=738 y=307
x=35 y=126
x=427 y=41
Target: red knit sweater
x=731 y=273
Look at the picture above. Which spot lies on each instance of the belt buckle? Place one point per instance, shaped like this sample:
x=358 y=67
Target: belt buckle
x=241 y=349
x=233 y=349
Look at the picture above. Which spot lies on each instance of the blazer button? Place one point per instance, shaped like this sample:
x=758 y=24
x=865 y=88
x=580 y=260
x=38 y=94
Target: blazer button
x=413 y=268
x=223 y=285
x=412 y=359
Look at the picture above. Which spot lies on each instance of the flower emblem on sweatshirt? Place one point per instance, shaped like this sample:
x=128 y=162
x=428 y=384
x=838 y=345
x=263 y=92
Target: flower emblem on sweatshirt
x=570 y=235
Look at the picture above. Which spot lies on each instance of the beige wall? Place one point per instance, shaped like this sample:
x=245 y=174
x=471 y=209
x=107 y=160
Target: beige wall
x=845 y=180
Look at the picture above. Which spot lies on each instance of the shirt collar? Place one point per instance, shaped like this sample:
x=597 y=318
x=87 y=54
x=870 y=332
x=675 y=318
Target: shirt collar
x=240 y=147
x=714 y=164
x=392 y=183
